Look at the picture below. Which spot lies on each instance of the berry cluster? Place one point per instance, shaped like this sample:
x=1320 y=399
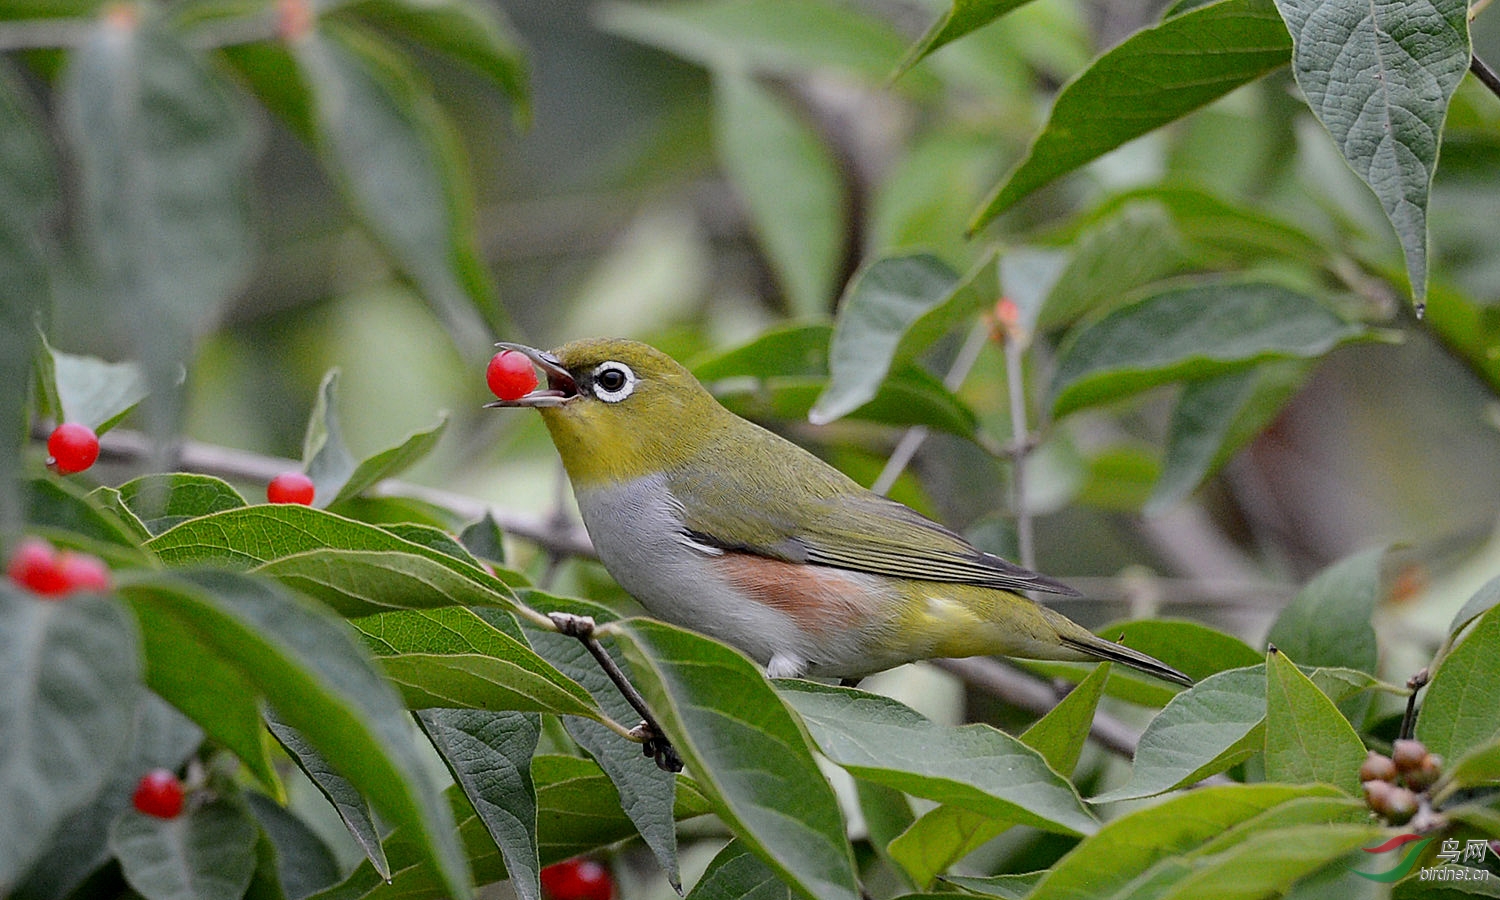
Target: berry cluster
x=1393 y=784
x=41 y=569
x=577 y=879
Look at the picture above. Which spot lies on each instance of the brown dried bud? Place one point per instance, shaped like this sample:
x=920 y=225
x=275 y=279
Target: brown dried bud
x=1425 y=775
x=1394 y=804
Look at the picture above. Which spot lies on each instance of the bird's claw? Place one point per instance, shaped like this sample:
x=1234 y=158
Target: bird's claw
x=657 y=747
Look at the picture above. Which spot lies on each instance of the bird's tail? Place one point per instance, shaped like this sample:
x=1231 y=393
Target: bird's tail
x=1081 y=640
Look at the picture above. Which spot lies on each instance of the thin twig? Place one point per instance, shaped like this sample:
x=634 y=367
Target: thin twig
x=653 y=739
x=1015 y=387
x=1485 y=74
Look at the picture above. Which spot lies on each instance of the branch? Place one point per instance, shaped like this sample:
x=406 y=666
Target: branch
x=1485 y=74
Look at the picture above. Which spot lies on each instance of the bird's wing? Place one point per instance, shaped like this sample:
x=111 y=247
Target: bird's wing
x=847 y=527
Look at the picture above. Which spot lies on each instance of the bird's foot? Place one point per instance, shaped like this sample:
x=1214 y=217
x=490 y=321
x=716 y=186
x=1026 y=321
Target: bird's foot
x=655 y=745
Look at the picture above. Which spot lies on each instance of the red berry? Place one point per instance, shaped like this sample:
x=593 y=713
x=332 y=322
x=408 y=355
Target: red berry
x=33 y=566
x=72 y=448
x=159 y=794
x=290 y=487
x=83 y=572
x=510 y=375
x=577 y=879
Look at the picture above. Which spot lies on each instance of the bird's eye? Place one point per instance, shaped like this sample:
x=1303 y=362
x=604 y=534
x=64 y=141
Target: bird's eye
x=613 y=381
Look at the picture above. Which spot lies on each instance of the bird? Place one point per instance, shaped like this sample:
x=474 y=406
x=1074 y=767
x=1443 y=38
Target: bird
x=721 y=526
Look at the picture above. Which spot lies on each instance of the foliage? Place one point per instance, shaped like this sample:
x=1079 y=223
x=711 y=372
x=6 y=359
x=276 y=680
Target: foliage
x=367 y=697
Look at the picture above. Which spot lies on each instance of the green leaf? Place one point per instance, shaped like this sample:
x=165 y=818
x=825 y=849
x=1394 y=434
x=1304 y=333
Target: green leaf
x=77 y=519
x=1479 y=767
x=977 y=767
x=89 y=390
x=325 y=457
x=747 y=752
x=303 y=863
x=245 y=538
x=1458 y=713
x=1328 y=622
x=1059 y=736
x=894 y=309
x=1189 y=333
x=484 y=539
x=1379 y=78
x=1203 y=731
x=941 y=837
x=790 y=351
x=160 y=501
x=1269 y=863
x=736 y=873
x=1112 y=863
x=489 y=754
x=764 y=35
x=647 y=794
x=164 y=151
x=453 y=658
x=1307 y=738
x=961 y=18
x=791 y=185
x=179 y=664
x=1136 y=245
x=309 y=668
x=475 y=34
x=359 y=583
x=161 y=737
x=578 y=810
x=1214 y=418
x=1156 y=76
x=1008 y=887
x=1484 y=599
x=71 y=671
x=352 y=807
x=207 y=853
x=396 y=160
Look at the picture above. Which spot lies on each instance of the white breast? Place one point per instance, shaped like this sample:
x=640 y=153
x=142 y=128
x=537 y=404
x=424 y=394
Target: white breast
x=637 y=530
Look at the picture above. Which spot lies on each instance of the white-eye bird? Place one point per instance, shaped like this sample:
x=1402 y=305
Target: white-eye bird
x=718 y=525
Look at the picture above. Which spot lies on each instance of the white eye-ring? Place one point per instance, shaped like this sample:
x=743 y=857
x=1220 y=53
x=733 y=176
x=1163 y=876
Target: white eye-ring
x=613 y=381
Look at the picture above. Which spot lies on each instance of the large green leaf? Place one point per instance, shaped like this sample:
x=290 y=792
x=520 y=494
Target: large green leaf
x=1328 y=622
x=1189 y=333
x=77 y=519
x=1202 y=731
x=1307 y=738
x=1379 y=77
x=940 y=838
x=303 y=863
x=163 y=149
x=309 y=668
x=207 y=853
x=747 y=752
x=394 y=156
x=369 y=582
x=790 y=183
x=247 y=537
x=71 y=670
x=1156 y=76
x=1115 y=862
x=489 y=754
x=1484 y=599
x=1136 y=244
x=894 y=309
x=977 y=767
x=578 y=809
x=1458 y=713
x=453 y=658
x=1269 y=862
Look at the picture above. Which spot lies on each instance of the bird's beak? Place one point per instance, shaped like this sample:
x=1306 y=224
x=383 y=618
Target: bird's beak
x=560 y=385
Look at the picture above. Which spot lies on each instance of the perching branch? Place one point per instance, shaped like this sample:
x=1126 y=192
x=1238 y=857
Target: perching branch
x=1485 y=74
